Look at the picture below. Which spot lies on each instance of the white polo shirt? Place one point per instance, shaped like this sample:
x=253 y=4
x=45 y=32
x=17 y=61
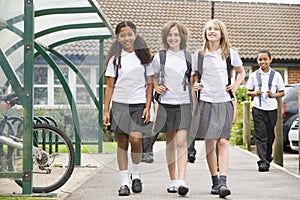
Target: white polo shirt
x=130 y=87
x=277 y=85
x=175 y=68
x=215 y=76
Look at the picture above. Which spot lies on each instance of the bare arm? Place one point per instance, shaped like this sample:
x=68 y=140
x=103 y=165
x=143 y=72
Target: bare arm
x=107 y=98
x=149 y=94
x=239 y=79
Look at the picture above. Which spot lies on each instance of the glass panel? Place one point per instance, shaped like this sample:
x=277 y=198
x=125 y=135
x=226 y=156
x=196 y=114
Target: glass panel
x=82 y=97
x=40 y=96
x=248 y=71
x=282 y=74
x=65 y=72
x=86 y=72
x=60 y=97
x=40 y=75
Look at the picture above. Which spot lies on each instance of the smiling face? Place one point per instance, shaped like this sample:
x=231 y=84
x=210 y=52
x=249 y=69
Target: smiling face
x=127 y=37
x=174 y=39
x=264 y=61
x=213 y=33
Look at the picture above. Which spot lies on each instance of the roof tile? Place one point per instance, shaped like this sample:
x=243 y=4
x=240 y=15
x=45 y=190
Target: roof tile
x=251 y=26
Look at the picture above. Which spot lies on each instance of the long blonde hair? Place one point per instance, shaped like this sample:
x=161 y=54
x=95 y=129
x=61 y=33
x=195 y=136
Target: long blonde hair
x=224 y=42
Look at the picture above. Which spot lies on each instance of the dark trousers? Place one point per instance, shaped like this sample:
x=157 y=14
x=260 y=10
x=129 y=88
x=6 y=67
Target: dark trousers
x=191 y=145
x=148 y=143
x=264 y=123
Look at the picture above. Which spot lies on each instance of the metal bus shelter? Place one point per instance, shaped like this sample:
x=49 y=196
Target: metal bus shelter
x=34 y=28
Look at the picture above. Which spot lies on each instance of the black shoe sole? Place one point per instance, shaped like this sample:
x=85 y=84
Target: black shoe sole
x=224 y=192
x=182 y=190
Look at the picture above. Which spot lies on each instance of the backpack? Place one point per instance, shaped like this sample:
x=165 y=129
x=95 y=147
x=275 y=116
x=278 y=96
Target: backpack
x=200 y=70
x=271 y=77
x=186 y=78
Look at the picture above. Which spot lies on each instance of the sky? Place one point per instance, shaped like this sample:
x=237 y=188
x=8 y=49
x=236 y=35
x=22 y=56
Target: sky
x=268 y=1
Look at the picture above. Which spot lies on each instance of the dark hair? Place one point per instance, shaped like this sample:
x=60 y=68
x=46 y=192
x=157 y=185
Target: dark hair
x=124 y=24
x=140 y=46
x=264 y=51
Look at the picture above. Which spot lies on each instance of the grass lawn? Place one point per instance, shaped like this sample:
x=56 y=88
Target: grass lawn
x=108 y=147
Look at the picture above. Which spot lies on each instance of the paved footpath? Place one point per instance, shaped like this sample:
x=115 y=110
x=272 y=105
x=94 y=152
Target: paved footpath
x=98 y=178
x=245 y=182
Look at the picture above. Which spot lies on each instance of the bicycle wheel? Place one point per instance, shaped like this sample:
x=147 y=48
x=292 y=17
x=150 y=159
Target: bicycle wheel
x=54 y=163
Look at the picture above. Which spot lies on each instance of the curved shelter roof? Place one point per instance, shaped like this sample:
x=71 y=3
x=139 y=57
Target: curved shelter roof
x=56 y=22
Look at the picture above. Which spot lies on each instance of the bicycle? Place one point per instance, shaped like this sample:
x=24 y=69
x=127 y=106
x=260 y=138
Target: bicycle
x=53 y=153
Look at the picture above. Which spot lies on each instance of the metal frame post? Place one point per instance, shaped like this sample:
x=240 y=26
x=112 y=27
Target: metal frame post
x=28 y=93
x=101 y=96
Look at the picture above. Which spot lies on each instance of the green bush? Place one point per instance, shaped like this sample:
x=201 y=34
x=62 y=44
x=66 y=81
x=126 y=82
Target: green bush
x=236 y=136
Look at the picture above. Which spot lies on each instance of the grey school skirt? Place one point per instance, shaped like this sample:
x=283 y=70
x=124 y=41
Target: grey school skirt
x=172 y=117
x=212 y=120
x=127 y=118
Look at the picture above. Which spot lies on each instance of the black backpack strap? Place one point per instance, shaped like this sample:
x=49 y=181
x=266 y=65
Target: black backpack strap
x=188 y=72
x=228 y=63
x=117 y=66
x=200 y=70
x=161 y=78
x=162 y=58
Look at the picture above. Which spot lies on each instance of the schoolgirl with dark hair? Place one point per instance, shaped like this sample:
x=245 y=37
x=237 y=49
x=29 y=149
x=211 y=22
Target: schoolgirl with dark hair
x=129 y=91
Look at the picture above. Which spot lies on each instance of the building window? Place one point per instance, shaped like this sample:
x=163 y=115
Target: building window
x=48 y=90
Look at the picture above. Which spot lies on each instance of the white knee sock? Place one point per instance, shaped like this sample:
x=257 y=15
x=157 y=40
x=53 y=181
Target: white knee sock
x=173 y=183
x=135 y=171
x=124 y=177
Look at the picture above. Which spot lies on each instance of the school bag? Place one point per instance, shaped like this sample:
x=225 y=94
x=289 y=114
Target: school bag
x=271 y=77
x=187 y=75
x=200 y=70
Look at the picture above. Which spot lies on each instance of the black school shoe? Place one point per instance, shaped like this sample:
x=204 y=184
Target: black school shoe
x=263 y=167
x=136 y=186
x=182 y=190
x=223 y=191
x=172 y=189
x=214 y=189
x=191 y=157
x=124 y=191
x=148 y=157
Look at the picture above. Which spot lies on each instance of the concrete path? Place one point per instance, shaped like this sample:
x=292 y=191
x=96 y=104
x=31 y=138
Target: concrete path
x=100 y=179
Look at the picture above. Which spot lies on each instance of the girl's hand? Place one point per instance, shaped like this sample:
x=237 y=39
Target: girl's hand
x=197 y=86
x=232 y=87
x=160 y=89
x=146 y=115
x=106 y=119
